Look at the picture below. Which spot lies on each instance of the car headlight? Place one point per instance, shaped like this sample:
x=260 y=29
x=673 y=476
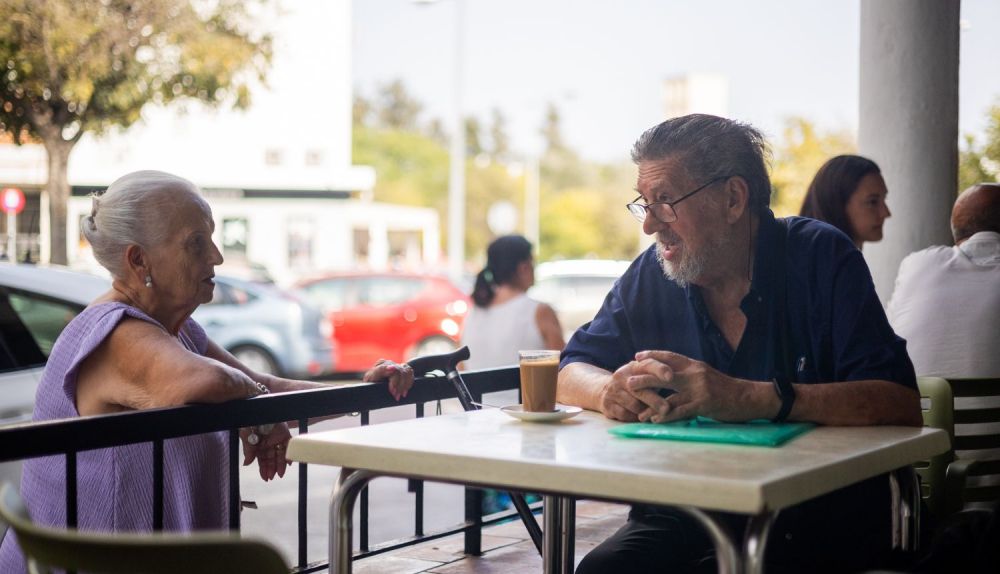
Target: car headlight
x=449 y=327
x=457 y=307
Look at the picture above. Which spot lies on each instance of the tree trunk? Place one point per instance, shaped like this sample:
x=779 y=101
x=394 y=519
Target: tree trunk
x=59 y=190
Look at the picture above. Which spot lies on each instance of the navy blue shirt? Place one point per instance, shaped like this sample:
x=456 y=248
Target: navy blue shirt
x=837 y=330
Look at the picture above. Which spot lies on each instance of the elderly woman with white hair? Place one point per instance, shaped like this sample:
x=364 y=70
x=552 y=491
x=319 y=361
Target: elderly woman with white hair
x=136 y=347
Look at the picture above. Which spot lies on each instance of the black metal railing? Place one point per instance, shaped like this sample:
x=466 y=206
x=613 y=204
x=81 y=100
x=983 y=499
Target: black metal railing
x=70 y=436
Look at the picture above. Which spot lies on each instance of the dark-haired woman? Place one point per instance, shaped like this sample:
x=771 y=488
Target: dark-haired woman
x=504 y=319
x=849 y=193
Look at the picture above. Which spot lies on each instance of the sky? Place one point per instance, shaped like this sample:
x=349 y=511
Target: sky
x=603 y=62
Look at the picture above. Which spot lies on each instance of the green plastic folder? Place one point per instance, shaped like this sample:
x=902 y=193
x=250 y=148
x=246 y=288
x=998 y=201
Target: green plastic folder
x=700 y=429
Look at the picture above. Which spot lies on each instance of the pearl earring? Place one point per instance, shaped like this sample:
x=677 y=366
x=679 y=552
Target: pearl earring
x=149 y=281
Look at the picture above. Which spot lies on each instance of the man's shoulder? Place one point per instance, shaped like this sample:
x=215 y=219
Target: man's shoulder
x=932 y=254
x=813 y=243
x=815 y=233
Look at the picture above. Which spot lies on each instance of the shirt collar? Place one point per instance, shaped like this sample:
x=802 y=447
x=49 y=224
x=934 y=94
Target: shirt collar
x=766 y=259
x=982 y=248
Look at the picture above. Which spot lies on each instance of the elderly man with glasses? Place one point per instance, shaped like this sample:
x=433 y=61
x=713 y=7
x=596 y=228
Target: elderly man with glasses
x=735 y=315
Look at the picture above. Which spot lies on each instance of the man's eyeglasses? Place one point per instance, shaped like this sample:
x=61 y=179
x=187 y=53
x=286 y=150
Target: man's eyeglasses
x=664 y=210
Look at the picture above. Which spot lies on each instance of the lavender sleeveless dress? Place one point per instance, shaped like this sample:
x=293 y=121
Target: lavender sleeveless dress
x=115 y=485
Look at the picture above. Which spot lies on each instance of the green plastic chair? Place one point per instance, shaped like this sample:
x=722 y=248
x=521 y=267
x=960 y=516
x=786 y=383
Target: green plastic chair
x=202 y=553
x=947 y=488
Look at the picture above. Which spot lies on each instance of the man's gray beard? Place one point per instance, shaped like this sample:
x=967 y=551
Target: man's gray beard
x=692 y=264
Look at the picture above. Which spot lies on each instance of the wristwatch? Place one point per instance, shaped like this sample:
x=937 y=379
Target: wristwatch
x=253 y=439
x=783 y=388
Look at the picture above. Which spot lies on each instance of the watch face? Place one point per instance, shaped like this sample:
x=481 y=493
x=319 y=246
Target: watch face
x=253 y=439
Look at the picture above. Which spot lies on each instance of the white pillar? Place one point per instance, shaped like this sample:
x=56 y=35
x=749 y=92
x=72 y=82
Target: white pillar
x=909 y=123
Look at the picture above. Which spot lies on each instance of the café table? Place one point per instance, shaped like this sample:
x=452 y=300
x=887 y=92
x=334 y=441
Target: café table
x=578 y=458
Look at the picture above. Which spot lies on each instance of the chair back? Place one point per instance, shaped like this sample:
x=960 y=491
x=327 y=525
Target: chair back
x=938 y=406
x=977 y=436
x=969 y=410
x=156 y=553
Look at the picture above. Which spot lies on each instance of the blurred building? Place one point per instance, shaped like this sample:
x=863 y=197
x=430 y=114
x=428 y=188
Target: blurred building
x=696 y=93
x=279 y=175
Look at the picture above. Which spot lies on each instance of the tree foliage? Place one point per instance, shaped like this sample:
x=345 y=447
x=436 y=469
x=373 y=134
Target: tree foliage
x=499 y=140
x=980 y=162
x=582 y=204
x=396 y=109
x=802 y=150
x=73 y=67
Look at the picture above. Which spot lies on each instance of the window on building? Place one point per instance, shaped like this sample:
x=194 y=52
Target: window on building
x=314 y=157
x=360 y=239
x=235 y=233
x=273 y=156
x=405 y=249
x=301 y=240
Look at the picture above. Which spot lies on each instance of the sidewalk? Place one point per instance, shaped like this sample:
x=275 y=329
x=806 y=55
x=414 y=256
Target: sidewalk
x=507 y=548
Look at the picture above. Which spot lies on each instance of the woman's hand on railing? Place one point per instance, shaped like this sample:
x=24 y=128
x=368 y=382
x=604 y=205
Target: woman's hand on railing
x=398 y=375
x=269 y=451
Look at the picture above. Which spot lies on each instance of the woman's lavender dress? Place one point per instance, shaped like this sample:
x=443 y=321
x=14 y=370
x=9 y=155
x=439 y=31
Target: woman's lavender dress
x=115 y=485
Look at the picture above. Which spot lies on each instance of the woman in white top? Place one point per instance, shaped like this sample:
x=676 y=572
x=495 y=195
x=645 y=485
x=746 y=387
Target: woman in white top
x=504 y=319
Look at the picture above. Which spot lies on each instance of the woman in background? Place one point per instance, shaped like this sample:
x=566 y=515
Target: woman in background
x=849 y=193
x=504 y=319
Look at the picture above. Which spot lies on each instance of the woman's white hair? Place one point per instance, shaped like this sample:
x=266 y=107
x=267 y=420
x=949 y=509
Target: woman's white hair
x=134 y=211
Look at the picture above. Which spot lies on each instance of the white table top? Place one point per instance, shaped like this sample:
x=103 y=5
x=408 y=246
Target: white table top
x=579 y=457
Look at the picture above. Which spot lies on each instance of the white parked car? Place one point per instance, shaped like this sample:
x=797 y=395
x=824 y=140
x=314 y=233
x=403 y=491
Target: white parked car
x=576 y=288
x=36 y=302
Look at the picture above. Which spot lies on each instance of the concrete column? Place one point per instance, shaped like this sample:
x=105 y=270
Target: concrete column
x=909 y=123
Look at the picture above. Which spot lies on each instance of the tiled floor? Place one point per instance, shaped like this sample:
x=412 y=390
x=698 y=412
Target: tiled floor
x=507 y=548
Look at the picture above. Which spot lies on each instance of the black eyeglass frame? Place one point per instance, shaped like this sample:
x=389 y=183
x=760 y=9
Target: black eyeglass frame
x=641 y=211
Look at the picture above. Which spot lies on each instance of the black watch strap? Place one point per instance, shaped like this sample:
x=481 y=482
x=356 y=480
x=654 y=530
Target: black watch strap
x=783 y=388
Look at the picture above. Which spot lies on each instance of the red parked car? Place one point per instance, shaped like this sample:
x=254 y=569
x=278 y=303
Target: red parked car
x=388 y=315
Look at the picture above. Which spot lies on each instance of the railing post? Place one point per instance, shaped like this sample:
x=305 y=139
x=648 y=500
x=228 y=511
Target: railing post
x=473 y=521
x=303 y=496
x=157 y=485
x=235 y=503
x=363 y=518
x=417 y=488
x=71 y=506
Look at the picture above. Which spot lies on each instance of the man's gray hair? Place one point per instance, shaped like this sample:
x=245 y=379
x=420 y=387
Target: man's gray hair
x=133 y=211
x=709 y=147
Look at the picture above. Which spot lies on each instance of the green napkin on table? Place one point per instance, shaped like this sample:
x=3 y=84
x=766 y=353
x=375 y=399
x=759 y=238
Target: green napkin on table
x=701 y=429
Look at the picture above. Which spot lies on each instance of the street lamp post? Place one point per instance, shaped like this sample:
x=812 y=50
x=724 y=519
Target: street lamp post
x=456 y=176
x=456 y=152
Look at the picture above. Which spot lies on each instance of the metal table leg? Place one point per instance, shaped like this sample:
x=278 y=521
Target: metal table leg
x=908 y=482
x=729 y=559
x=755 y=542
x=567 y=542
x=345 y=493
x=552 y=535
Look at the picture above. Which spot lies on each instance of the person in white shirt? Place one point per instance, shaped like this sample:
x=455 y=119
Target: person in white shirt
x=946 y=303
x=503 y=319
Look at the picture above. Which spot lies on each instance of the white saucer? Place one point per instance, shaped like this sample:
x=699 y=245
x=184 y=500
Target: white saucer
x=561 y=412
